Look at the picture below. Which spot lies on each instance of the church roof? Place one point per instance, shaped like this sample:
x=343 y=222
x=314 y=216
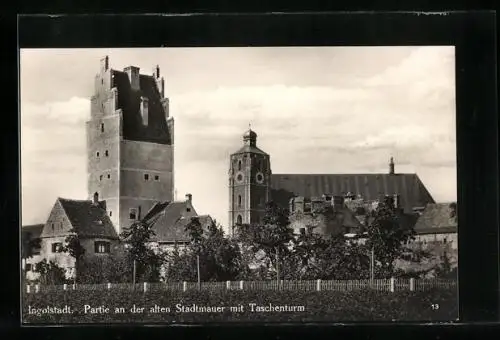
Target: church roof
x=86 y=218
x=370 y=186
x=129 y=102
x=437 y=218
x=170 y=219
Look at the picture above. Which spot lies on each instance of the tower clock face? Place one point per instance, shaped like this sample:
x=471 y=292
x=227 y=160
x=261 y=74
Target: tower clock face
x=259 y=177
x=239 y=177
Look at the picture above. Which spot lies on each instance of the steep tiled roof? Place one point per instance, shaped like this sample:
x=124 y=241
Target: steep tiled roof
x=88 y=219
x=370 y=186
x=169 y=220
x=129 y=102
x=440 y=217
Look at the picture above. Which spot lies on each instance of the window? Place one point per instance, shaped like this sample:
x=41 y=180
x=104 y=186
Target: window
x=56 y=247
x=97 y=154
x=239 y=165
x=109 y=176
x=102 y=127
x=100 y=178
x=106 y=153
x=102 y=247
x=157 y=178
x=102 y=81
x=302 y=231
x=132 y=214
x=239 y=220
x=188 y=209
x=146 y=177
x=28 y=267
x=239 y=201
x=444 y=240
x=110 y=213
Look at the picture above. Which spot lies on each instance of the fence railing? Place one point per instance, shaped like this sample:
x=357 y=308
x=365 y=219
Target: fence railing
x=388 y=285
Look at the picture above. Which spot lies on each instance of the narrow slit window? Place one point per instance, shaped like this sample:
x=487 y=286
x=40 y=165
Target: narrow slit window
x=109 y=176
x=102 y=127
x=100 y=177
x=239 y=201
x=97 y=153
x=106 y=153
x=110 y=213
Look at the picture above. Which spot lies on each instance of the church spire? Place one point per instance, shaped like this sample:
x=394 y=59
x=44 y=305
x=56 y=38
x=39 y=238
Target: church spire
x=391 y=166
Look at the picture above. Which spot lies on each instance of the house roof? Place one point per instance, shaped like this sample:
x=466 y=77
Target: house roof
x=86 y=218
x=170 y=220
x=370 y=186
x=129 y=102
x=31 y=231
x=437 y=218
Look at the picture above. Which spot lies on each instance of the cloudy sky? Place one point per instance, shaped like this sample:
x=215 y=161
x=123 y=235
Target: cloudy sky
x=315 y=110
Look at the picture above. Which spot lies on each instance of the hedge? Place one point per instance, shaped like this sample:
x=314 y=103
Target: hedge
x=325 y=306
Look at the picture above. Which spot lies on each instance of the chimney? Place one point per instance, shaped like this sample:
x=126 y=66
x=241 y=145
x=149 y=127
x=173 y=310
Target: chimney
x=160 y=82
x=133 y=76
x=189 y=197
x=391 y=166
x=96 y=199
x=104 y=64
x=144 y=110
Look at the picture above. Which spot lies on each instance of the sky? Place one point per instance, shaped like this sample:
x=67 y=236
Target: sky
x=315 y=110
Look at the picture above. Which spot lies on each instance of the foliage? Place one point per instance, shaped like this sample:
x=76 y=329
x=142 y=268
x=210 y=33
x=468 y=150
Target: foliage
x=362 y=305
x=74 y=248
x=387 y=235
x=445 y=270
x=148 y=262
x=219 y=257
x=50 y=273
x=104 y=269
x=272 y=239
x=29 y=245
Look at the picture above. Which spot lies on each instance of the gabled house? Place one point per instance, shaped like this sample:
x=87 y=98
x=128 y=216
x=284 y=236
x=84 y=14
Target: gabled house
x=169 y=221
x=85 y=218
x=31 y=248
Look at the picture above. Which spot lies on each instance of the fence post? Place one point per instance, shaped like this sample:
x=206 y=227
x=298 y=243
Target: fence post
x=37 y=288
x=228 y=284
x=28 y=289
x=65 y=286
x=109 y=285
x=184 y=286
x=392 y=285
x=412 y=284
x=241 y=284
x=145 y=287
x=318 y=285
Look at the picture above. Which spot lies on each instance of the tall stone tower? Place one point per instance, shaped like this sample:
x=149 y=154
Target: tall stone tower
x=130 y=143
x=249 y=182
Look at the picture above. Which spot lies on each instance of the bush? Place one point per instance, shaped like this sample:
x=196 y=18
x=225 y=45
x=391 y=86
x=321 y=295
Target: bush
x=325 y=306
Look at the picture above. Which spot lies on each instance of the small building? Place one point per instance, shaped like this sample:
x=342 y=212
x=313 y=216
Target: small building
x=85 y=218
x=30 y=238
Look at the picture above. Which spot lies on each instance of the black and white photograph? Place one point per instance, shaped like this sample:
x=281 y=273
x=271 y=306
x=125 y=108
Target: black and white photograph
x=183 y=185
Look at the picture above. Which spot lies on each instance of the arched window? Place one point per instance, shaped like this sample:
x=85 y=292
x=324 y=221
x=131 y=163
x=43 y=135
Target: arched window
x=239 y=165
x=239 y=220
x=239 y=201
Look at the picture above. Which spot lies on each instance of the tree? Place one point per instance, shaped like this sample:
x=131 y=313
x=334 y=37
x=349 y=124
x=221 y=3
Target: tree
x=75 y=249
x=387 y=236
x=271 y=239
x=218 y=257
x=145 y=260
x=50 y=273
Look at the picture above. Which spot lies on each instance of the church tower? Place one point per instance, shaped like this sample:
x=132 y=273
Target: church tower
x=130 y=143
x=249 y=182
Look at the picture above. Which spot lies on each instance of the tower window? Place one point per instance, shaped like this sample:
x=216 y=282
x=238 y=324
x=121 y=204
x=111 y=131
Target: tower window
x=100 y=178
x=188 y=209
x=106 y=153
x=109 y=176
x=239 y=201
x=146 y=177
x=239 y=220
x=444 y=240
x=239 y=165
x=132 y=213
x=110 y=213
x=102 y=127
x=97 y=153
x=157 y=178
x=102 y=247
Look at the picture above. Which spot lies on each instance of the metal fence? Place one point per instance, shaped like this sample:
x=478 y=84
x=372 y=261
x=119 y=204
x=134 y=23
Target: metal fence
x=388 y=285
